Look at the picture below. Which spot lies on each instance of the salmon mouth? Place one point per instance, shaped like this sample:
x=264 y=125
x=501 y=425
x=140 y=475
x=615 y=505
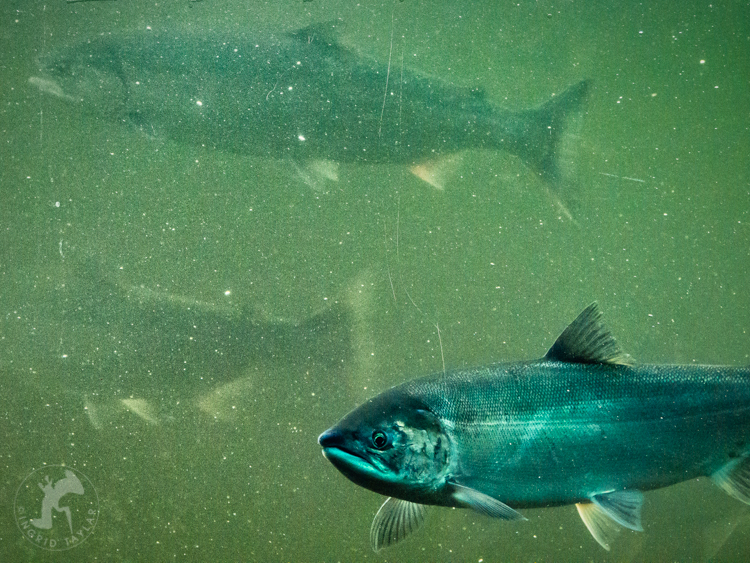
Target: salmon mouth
x=336 y=455
x=352 y=466
x=334 y=446
x=343 y=458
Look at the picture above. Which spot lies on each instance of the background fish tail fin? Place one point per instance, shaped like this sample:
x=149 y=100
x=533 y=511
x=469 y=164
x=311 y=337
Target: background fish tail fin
x=553 y=136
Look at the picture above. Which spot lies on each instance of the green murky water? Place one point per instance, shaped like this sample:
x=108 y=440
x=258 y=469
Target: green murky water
x=241 y=312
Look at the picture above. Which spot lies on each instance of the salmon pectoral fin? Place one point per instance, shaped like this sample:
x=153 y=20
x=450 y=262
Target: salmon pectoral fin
x=606 y=512
x=436 y=171
x=142 y=408
x=466 y=497
x=102 y=414
x=734 y=478
x=317 y=173
x=395 y=520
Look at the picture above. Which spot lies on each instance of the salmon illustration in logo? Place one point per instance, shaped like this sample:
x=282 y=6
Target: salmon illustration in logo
x=64 y=490
x=52 y=495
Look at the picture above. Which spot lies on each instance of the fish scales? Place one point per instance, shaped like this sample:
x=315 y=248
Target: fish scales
x=523 y=432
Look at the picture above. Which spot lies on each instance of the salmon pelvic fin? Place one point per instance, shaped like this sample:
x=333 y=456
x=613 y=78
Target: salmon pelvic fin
x=604 y=513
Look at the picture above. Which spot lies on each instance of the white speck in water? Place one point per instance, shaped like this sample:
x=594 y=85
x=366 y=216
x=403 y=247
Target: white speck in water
x=301 y=137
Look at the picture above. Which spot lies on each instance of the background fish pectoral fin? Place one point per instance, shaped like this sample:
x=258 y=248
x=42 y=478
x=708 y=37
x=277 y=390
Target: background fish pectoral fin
x=317 y=173
x=103 y=413
x=324 y=168
x=467 y=497
x=100 y=414
x=437 y=170
x=734 y=478
x=49 y=86
x=141 y=408
x=395 y=520
x=321 y=31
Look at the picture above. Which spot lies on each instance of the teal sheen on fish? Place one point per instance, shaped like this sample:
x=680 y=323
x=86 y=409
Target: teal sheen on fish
x=583 y=425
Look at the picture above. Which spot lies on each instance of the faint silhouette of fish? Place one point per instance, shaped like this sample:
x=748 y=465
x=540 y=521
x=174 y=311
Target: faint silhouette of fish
x=148 y=351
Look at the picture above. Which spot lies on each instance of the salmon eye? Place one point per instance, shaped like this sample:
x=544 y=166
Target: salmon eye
x=379 y=439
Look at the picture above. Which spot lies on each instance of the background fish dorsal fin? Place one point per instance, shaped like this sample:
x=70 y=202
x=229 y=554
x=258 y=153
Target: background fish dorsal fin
x=588 y=341
x=478 y=93
x=324 y=32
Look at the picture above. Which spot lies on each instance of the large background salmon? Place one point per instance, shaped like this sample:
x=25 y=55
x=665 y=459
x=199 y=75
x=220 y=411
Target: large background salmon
x=299 y=95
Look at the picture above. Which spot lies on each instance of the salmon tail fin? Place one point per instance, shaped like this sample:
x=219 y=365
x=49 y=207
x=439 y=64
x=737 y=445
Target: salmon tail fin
x=553 y=128
x=734 y=478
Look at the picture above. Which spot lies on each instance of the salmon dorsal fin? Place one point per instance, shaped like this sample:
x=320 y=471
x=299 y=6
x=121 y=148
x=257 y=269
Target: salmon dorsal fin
x=588 y=341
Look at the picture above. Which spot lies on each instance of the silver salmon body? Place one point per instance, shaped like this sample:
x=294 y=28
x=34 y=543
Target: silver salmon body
x=582 y=426
x=299 y=96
